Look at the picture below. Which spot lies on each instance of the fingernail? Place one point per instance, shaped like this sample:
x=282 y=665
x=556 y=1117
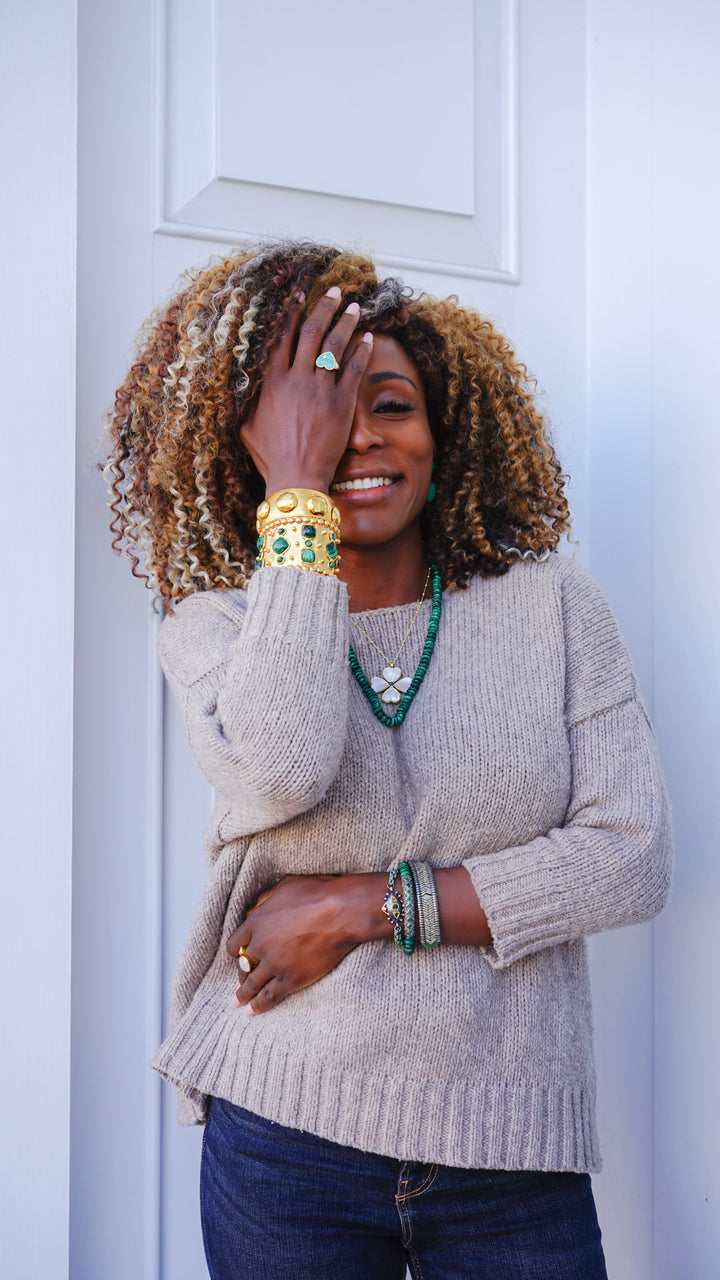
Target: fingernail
x=367 y=337
x=334 y=291
x=352 y=308
x=249 y=1010
x=235 y=1002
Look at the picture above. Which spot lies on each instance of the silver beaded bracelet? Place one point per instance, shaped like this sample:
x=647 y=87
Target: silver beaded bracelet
x=428 y=910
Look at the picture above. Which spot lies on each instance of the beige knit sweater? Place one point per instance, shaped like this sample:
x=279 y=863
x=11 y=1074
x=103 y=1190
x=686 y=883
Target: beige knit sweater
x=527 y=756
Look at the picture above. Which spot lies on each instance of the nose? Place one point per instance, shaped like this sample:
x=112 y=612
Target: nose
x=365 y=433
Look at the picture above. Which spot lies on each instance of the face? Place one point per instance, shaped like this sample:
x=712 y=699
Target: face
x=382 y=480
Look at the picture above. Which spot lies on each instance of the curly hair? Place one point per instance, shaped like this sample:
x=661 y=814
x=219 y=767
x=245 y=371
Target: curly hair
x=183 y=488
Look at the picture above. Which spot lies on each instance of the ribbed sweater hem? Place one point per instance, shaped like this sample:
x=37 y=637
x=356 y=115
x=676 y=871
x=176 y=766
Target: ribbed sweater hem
x=468 y=1124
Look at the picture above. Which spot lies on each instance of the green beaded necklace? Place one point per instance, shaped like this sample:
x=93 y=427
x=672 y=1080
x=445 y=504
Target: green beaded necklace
x=393 y=722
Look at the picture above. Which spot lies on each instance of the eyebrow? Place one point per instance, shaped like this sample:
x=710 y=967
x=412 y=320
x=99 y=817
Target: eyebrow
x=372 y=378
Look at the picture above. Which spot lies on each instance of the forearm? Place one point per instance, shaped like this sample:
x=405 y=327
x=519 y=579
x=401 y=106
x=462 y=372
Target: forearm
x=462 y=919
x=305 y=925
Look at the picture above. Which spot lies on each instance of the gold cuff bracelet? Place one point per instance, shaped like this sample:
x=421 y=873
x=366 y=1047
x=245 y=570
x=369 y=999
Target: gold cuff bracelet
x=299 y=527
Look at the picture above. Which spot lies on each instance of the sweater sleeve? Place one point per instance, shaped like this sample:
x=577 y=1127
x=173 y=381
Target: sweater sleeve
x=609 y=864
x=261 y=679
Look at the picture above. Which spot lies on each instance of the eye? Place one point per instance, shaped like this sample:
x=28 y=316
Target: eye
x=393 y=406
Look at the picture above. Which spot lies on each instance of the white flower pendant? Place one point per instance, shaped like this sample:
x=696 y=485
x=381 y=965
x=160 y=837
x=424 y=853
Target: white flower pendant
x=391 y=685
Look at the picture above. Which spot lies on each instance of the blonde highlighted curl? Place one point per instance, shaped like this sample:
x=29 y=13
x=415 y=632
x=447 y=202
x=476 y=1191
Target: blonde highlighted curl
x=183 y=489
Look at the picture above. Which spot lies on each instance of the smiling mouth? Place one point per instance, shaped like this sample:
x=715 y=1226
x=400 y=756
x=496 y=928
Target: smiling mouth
x=363 y=482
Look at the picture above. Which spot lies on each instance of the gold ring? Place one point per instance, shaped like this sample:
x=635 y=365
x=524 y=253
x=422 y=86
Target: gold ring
x=243 y=962
x=326 y=360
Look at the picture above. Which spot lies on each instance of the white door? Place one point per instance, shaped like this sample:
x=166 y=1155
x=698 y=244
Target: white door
x=452 y=142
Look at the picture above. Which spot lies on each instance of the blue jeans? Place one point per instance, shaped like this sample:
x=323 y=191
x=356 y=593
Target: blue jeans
x=278 y=1204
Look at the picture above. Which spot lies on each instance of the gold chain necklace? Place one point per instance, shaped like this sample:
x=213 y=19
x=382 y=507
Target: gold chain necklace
x=392 y=684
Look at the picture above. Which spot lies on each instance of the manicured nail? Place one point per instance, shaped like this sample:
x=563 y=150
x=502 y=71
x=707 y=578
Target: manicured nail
x=249 y=1010
x=352 y=308
x=334 y=291
x=367 y=337
x=235 y=1002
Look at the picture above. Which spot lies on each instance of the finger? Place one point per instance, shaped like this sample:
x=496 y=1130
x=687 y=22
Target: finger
x=246 y=963
x=250 y=984
x=281 y=354
x=337 y=339
x=315 y=327
x=356 y=363
x=242 y=970
x=261 y=898
x=240 y=938
x=243 y=934
x=272 y=993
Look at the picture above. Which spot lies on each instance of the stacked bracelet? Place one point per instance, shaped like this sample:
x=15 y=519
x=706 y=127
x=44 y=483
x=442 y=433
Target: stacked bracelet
x=392 y=907
x=428 y=910
x=419 y=894
x=299 y=527
x=408 y=908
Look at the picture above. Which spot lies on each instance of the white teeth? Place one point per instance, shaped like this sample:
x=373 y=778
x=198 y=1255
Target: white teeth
x=367 y=482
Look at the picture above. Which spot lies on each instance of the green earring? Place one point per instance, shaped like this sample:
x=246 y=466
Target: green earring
x=432 y=491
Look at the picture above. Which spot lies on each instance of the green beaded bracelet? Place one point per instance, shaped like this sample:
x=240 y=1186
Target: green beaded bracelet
x=408 y=908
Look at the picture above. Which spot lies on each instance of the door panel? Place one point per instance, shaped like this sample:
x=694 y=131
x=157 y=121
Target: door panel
x=485 y=197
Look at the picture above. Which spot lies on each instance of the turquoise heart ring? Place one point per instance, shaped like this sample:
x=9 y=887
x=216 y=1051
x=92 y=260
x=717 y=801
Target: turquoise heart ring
x=326 y=360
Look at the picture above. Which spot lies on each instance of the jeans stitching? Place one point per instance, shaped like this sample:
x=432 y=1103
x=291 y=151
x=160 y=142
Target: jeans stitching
x=404 y=1216
x=404 y=1210
x=202 y=1191
x=405 y=1223
x=426 y=1185
x=416 y=1263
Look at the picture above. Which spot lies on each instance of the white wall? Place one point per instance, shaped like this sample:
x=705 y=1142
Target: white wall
x=621 y=552
x=686 y=331
x=37 y=269
x=653 y=339
x=114 y=1183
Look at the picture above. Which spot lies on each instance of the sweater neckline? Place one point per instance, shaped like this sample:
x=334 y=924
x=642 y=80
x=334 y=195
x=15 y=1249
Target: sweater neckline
x=393 y=610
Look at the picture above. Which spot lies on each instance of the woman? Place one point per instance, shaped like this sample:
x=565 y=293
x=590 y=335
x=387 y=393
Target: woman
x=423 y=728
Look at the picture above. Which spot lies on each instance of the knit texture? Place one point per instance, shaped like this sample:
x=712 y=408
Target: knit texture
x=527 y=756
